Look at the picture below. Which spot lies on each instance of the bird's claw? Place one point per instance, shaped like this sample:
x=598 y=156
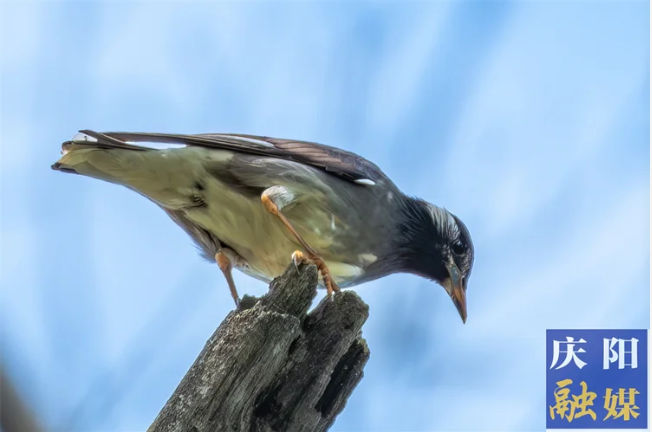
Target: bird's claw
x=299 y=258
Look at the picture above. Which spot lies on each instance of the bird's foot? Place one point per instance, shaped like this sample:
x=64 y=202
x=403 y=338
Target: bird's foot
x=299 y=257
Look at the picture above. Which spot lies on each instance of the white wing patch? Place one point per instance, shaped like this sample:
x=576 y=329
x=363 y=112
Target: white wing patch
x=367 y=258
x=342 y=272
x=280 y=195
x=160 y=146
x=249 y=140
x=366 y=182
x=82 y=138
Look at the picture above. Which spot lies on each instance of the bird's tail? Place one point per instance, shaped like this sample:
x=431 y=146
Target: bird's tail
x=95 y=155
x=154 y=173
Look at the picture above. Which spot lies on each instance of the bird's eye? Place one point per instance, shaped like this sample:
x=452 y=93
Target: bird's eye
x=458 y=248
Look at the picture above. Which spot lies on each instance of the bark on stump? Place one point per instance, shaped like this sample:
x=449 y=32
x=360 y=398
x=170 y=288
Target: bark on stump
x=272 y=366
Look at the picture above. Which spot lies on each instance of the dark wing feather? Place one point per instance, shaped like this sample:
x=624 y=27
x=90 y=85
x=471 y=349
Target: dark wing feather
x=338 y=162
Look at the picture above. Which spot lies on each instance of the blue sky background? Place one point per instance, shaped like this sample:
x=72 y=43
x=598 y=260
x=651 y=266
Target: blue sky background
x=529 y=120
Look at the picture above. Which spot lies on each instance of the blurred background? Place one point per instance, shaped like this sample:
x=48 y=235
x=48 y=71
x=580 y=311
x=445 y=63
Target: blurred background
x=529 y=120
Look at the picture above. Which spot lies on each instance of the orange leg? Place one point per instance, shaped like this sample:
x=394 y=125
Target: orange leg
x=224 y=264
x=298 y=257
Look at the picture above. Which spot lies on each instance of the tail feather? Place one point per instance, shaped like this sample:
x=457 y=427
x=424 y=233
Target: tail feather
x=58 y=166
x=90 y=160
x=111 y=139
x=86 y=140
x=100 y=140
x=167 y=177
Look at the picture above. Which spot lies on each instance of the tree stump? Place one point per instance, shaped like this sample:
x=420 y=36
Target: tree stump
x=272 y=366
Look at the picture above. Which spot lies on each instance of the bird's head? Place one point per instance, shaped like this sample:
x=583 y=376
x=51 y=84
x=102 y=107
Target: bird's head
x=437 y=245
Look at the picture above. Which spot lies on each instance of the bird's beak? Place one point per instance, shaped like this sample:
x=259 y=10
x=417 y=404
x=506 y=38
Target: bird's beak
x=456 y=287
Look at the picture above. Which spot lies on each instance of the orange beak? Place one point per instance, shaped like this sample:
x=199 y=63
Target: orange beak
x=458 y=291
x=459 y=298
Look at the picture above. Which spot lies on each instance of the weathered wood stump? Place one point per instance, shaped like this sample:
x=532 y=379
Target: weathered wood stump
x=272 y=366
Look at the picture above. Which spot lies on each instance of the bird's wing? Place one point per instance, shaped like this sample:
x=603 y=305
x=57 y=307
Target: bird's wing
x=205 y=241
x=338 y=162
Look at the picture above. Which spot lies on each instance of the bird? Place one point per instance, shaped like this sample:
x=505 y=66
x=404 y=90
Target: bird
x=253 y=203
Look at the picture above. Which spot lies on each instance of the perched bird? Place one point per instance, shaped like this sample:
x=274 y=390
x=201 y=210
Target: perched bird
x=252 y=202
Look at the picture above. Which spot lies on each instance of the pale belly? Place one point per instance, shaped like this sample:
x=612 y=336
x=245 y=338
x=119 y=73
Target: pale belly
x=262 y=240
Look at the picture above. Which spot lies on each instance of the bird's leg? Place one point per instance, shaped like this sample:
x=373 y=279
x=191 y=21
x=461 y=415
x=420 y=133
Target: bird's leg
x=224 y=263
x=298 y=257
